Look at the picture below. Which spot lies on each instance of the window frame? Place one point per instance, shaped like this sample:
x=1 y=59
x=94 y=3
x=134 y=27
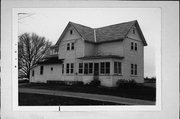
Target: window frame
x=118 y=68
x=90 y=69
x=72 y=68
x=67 y=68
x=41 y=70
x=104 y=70
x=134 y=31
x=107 y=69
x=135 y=47
x=134 y=69
x=63 y=68
x=132 y=45
x=102 y=67
x=71 y=31
x=80 y=71
x=72 y=46
x=86 y=68
x=68 y=47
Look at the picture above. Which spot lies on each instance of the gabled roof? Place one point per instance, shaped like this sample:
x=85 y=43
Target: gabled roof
x=113 y=32
x=105 y=34
x=86 y=32
x=50 y=60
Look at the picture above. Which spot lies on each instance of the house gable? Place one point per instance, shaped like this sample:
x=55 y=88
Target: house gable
x=69 y=37
x=69 y=33
x=136 y=33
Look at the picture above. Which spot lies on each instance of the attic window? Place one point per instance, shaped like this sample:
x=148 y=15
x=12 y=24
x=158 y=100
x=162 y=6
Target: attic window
x=134 y=31
x=71 y=32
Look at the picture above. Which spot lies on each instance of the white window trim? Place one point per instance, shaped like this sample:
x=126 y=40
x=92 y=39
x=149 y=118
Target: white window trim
x=105 y=68
x=117 y=68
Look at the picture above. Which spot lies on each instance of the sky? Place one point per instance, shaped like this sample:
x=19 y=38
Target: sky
x=50 y=23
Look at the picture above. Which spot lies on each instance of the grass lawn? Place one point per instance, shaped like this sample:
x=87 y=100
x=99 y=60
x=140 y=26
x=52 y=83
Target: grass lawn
x=139 y=92
x=26 y=99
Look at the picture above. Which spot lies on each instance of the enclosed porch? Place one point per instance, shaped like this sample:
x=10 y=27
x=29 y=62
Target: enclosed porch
x=107 y=69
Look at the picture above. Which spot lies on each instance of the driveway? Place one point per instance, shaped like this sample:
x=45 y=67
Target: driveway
x=98 y=97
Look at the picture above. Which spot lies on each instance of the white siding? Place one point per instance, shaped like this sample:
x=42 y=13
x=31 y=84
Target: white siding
x=78 y=45
x=89 y=49
x=111 y=48
x=135 y=36
x=81 y=48
x=47 y=73
x=133 y=57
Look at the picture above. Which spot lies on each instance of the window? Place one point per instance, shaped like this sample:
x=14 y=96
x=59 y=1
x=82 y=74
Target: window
x=68 y=46
x=107 y=67
x=85 y=68
x=134 y=31
x=72 y=68
x=51 y=68
x=90 y=68
x=56 y=50
x=33 y=73
x=62 y=68
x=80 y=68
x=133 y=69
x=102 y=67
x=135 y=46
x=41 y=70
x=117 y=68
x=72 y=46
x=67 y=68
x=71 y=32
x=132 y=45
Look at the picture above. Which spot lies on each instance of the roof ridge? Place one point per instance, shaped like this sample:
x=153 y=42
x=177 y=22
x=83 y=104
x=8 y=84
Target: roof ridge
x=73 y=23
x=117 y=24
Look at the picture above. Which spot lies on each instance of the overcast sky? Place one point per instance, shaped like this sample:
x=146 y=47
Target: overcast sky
x=51 y=22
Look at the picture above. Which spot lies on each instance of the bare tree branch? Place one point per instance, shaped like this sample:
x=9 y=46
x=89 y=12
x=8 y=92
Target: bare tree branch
x=31 y=49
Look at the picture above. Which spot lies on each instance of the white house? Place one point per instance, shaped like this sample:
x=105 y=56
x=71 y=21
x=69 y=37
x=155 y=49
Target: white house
x=82 y=53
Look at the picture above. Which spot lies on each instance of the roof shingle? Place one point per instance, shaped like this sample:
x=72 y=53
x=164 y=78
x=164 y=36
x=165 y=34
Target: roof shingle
x=107 y=33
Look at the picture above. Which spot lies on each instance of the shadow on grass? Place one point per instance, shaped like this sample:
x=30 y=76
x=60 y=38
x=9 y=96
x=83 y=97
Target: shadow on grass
x=137 y=92
x=40 y=100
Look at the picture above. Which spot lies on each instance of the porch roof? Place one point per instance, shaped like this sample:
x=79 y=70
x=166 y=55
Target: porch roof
x=51 y=60
x=102 y=57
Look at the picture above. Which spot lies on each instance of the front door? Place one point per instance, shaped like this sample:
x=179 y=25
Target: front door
x=96 y=69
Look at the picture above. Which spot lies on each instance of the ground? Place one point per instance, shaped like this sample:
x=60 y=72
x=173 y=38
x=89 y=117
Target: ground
x=39 y=99
x=142 y=92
